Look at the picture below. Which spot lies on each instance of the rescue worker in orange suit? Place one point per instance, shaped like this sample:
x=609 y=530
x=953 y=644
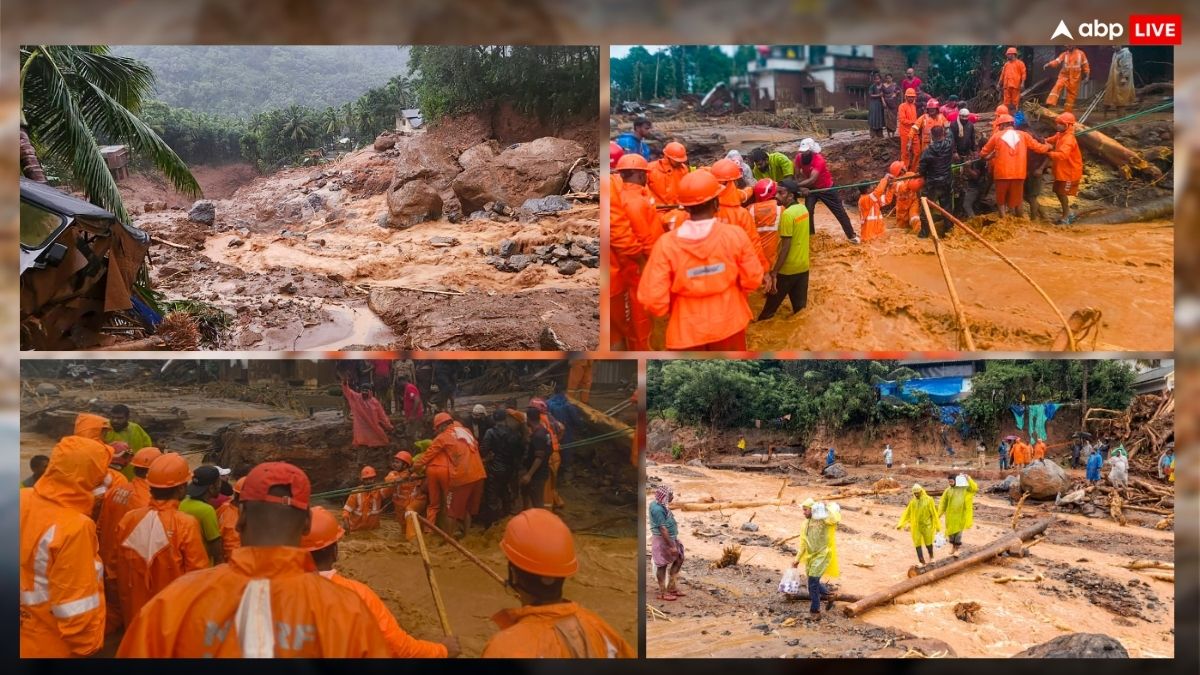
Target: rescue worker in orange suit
x=622 y=245
x=265 y=602
x=158 y=543
x=906 y=117
x=227 y=517
x=94 y=427
x=551 y=498
x=579 y=380
x=908 y=203
x=765 y=211
x=1012 y=78
x=467 y=476
x=61 y=574
x=322 y=542
x=1073 y=69
x=364 y=506
x=1039 y=450
x=1021 y=453
x=701 y=272
x=541 y=555
x=407 y=491
x=922 y=130
x=134 y=494
x=663 y=179
x=1006 y=148
x=1068 y=164
x=437 y=465
x=730 y=209
x=871 y=201
x=645 y=226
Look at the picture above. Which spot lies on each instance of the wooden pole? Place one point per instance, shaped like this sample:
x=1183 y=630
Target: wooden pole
x=1074 y=345
x=1117 y=155
x=459 y=547
x=995 y=548
x=959 y=314
x=433 y=586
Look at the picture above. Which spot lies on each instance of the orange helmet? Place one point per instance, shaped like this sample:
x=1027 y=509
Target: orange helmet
x=441 y=418
x=896 y=168
x=726 y=170
x=367 y=472
x=910 y=93
x=1004 y=119
x=932 y=103
x=539 y=542
x=675 y=151
x=404 y=456
x=1011 y=51
x=698 y=187
x=237 y=487
x=143 y=458
x=614 y=153
x=1001 y=110
x=168 y=471
x=325 y=531
x=632 y=162
x=1067 y=118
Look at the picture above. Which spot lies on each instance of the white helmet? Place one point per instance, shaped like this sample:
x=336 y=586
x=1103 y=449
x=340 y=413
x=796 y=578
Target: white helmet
x=809 y=145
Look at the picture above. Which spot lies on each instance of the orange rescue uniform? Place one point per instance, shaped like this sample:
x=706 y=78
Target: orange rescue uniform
x=1065 y=156
x=62 y=577
x=1073 y=67
x=729 y=209
x=158 y=544
x=403 y=645
x=451 y=461
x=906 y=117
x=227 y=517
x=562 y=630
x=766 y=221
x=922 y=135
x=550 y=495
x=264 y=602
x=870 y=208
x=134 y=494
x=622 y=245
x=646 y=225
x=579 y=380
x=908 y=203
x=702 y=284
x=663 y=181
x=1011 y=77
x=407 y=495
x=1039 y=450
x=362 y=510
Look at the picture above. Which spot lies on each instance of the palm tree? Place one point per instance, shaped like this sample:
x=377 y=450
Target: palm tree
x=295 y=126
x=73 y=97
x=331 y=123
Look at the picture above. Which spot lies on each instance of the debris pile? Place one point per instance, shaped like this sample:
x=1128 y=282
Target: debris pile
x=1144 y=428
x=569 y=255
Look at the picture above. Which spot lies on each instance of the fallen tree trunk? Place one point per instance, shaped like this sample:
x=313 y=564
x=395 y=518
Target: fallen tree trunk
x=1155 y=209
x=1148 y=564
x=1125 y=160
x=720 y=506
x=152 y=343
x=837 y=597
x=995 y=548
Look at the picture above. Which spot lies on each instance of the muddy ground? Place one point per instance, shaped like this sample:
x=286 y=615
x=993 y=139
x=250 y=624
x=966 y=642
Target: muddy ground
x=738 y=612
x=891 y=294
x=605 y=526
x=303 y=267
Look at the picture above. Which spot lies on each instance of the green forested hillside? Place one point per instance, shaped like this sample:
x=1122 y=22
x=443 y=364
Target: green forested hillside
x=244 y=80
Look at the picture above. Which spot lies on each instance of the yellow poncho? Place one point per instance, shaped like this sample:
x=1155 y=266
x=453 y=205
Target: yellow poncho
x=958 y=505
x=818 y=547
x=922 y=516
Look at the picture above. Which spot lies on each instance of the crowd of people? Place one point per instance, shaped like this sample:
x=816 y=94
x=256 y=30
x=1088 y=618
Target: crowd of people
x=673 y=254
x=119 y=535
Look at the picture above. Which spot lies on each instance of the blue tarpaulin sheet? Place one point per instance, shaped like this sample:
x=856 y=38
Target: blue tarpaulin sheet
x=941 y=390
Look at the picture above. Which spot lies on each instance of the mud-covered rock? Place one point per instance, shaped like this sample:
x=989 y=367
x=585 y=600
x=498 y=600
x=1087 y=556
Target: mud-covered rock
x=546 y=205
x=479 y=154
x=46 y=389
x=1077 y=646
x=525 y=171
x=590 y=261
x=424 y=158
x=204 y=212
x=583 y=181
x=385 y=141
x=835 y=470
x=569 y=267
x=1044 y=480
x=413 y=202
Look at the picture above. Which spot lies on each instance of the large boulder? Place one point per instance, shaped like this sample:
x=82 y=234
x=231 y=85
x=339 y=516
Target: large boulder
x=1077 y=646
x=526 y=171
x=413 y=202
x=203 y=212
x=422 y=157
x=479 y=154
x=1043 y=480
x=386 y=141
x=835 y=470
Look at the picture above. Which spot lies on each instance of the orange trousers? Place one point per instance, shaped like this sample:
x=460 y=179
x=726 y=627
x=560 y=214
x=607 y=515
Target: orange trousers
x=550 y=495
x=1072 y=89
x=437 y=482
x=1012 y=97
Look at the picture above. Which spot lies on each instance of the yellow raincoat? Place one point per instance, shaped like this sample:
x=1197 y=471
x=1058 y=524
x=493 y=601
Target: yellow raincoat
x=958 y=505
x=818 y=547
x=922 y=516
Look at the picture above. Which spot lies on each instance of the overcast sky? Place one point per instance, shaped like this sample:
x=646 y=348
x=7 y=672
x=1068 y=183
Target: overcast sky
x=621 y=51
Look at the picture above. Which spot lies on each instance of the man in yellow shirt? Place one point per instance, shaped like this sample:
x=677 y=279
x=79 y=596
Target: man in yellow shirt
x=128 y=432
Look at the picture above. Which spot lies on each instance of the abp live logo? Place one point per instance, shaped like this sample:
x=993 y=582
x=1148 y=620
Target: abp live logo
x=1144 y=29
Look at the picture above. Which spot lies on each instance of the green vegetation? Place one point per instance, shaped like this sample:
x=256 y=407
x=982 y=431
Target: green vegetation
x=75 y=99
x=240 y=81
x=842 y=394
x=674 y=71
x=553 y=83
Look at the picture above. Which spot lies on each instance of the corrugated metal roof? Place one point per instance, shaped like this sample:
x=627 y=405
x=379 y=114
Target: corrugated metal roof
x=1154 y=374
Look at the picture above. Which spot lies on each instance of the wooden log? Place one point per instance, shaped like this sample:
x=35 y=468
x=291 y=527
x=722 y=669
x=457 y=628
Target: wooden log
x=1155 y=209
x=959 y=314
x=1159 y=490
x=1148 y=564
x=991 y=550
x=1147 y=509
x=838 y=596
x=150 y=344
x=433 y=585
x=1112 y=152
x=721 y=506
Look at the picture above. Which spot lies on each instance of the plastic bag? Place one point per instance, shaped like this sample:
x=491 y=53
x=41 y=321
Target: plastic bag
x=939 y=540
x=792 y=582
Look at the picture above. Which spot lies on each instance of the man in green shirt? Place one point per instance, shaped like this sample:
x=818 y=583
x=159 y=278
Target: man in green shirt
x=127 y=432
x=205 y=485
x=789 y=277
x=773 y=165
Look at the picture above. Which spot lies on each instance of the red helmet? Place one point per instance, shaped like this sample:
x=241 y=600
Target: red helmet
x=404 y=456
x=933 y=103
x=614 y=153
x=1067 y=118
x=367 y=472
x=765 y=189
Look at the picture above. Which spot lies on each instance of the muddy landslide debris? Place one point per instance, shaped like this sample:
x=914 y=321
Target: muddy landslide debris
x=1076 y=646
x=569 y=256
x=203 y=212
x=525 y=170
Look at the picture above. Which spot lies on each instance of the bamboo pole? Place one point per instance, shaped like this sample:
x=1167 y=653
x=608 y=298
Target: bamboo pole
x=959 y=314
x=1074 y=345
x=995 y=548
x=459 y=547
x=433 y=586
